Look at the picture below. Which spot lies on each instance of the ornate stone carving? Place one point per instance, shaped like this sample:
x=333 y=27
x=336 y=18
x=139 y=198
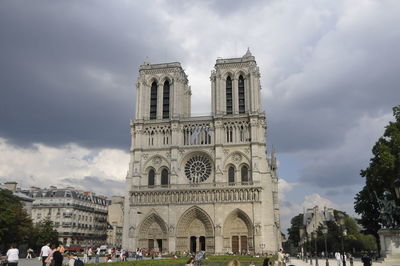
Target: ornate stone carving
x=218 y=230
x=198 y=168
x=145 y=156
x=132 y=231
x=257 y=229
x=157 y=160
x=171 y=230
x=237 y=158
x=168 y=154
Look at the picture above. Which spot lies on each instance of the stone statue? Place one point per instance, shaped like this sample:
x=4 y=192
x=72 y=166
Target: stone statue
x=387 y=210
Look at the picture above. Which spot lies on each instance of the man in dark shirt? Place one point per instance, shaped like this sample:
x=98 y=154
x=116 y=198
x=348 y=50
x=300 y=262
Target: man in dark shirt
x=366 y=260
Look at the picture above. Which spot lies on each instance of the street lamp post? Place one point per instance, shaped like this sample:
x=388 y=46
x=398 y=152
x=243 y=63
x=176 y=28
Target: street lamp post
x=343 y=229
x=305 y=247
x=325 y=232
x=315 y=248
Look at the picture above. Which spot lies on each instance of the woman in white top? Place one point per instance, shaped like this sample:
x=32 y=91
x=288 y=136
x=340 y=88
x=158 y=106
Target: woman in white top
x=12 y=256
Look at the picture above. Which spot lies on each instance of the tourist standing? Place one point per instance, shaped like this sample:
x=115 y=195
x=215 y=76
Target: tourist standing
x=45 y=252
x=58 y=257
x=280 y=257
x=12 y=255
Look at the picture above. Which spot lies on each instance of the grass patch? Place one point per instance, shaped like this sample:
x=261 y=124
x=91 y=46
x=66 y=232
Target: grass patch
x=211 y=261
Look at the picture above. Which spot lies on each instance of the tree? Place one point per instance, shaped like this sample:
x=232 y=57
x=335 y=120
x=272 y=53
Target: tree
x=379 y=176
x=15 y=224
x=294 y=230
x=43 y=233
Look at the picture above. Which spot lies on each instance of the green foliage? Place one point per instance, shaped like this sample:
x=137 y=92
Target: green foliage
x=43 y=233
x=15 y=224
x=379 y=176
x=354 y=240
x=211 y=261
x=294 y=230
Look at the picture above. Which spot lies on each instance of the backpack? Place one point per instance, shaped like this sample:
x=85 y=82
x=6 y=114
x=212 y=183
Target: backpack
x=78 y=262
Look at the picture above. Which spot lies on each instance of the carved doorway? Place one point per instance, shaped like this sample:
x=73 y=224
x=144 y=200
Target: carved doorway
x=153 y=233
x=202 y=243
x=195 y=231
x=193 y=246
x=238 y=232
x=235 y=244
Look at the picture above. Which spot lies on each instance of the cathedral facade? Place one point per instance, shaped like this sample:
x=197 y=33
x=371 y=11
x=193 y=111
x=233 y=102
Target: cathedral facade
x=201 y=182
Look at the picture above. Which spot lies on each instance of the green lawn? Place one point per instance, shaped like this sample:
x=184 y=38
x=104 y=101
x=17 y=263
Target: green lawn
x=211 y=261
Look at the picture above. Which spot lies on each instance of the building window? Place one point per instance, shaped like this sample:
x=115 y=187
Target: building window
x=231 y=174
x=164 y=178
x=151 y=178
x=166 y=99
x=153 y=101
x=229 y=95
x=245 y=174
x=241 y=95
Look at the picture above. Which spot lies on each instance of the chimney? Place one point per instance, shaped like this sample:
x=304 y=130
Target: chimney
x=11 y=186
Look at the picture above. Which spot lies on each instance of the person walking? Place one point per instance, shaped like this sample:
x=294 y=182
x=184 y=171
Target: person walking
x=366 y=260
x=29 y=253
x=58 y=256
x=338 y=258
x=45 y=252
x=97 y=255
x=12 y=255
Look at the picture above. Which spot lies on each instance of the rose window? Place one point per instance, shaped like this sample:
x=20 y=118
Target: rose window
x=198 y=168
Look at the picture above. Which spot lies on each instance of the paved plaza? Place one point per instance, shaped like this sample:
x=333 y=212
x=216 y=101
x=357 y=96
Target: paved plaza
x=296 y=262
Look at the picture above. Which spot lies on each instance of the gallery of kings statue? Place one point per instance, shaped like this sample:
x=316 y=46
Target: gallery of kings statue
x=201 y=182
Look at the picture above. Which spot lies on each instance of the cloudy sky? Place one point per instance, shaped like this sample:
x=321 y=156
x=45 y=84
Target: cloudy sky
x=329 y=73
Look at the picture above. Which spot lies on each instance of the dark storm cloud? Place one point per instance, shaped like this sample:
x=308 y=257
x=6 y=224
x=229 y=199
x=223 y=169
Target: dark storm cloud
x=68 y=68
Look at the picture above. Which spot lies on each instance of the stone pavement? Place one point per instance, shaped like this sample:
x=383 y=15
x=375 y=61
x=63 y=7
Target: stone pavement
x=295 y=262
x=332 y=262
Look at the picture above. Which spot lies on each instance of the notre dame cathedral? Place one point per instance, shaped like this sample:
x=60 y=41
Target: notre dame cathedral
x=201 y=182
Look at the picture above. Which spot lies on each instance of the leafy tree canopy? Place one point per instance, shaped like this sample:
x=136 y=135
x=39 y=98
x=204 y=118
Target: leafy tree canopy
x=15 y=224
x=379 y=176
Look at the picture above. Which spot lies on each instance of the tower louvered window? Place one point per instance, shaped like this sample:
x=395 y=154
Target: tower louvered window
x=231 y=175
x=153 y=101
x=229 y=95
x=151 y=178
x=164 y=178
x=242 y=106
x=245 y=174
x=166 y=100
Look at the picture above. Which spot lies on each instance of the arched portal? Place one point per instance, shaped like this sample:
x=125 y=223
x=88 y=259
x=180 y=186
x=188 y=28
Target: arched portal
x=195 y=231
x=153 y=233
x=238 y=232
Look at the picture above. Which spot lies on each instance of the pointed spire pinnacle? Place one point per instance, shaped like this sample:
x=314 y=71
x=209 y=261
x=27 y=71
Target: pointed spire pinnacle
x=248 y=53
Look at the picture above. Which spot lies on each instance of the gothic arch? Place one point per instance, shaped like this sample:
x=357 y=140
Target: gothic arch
x=151 y=230
x=228 y=74
x=238 y=231
x=230 y=159
x=203 y=228
x=166 y=77
x=188 y=216
x=241 y=72
x=157 y=162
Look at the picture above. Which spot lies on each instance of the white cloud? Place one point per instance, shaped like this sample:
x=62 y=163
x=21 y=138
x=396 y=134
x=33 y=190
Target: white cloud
x=42 y=165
